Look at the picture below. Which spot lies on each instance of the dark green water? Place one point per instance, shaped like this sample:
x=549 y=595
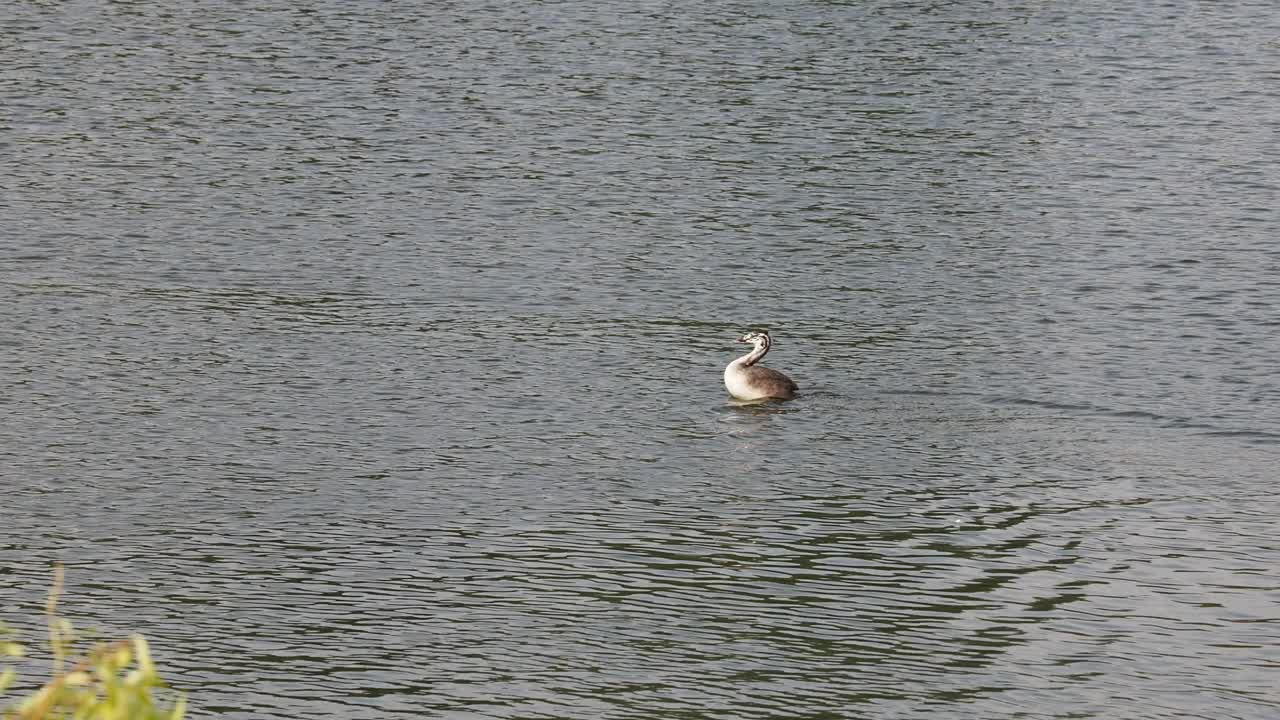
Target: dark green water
x=366 y=356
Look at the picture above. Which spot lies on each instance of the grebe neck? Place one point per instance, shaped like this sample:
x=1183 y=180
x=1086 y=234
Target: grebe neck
x=753 y=357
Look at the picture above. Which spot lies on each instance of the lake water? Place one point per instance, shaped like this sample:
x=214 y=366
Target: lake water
x=367 y=356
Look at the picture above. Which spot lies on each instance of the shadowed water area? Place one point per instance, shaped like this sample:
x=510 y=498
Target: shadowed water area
x=366 y=357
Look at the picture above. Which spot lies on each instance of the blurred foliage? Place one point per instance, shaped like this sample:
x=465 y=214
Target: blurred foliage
x=107 y=681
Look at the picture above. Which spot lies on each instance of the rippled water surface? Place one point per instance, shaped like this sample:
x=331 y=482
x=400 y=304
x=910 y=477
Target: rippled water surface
x=367 y=356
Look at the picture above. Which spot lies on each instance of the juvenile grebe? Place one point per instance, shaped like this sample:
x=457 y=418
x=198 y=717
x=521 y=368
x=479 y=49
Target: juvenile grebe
x=747 y=381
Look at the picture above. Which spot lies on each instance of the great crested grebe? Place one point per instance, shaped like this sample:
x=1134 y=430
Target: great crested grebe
x=747 y=381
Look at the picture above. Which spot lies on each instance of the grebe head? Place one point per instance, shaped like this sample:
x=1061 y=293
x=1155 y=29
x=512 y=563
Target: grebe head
x=754 y=338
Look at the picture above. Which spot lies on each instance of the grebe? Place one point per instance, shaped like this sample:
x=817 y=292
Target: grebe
x=747 y=381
